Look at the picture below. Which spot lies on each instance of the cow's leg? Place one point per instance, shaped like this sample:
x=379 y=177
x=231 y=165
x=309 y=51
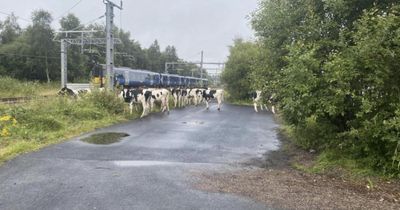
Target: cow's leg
x=261 y=106
x=167 y=103
x=207 y=104
x=219 y=100
x=164 y=102
x=131 y=107
x=273 y=109
x=255 y=107
x=144 y=105
x=152 y=104
x=266 y=107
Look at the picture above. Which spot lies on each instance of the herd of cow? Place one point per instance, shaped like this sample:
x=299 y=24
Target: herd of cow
x=147 y=97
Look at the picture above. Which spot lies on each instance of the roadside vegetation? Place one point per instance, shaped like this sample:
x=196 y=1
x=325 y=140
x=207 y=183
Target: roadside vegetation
x=10 y=88
x=332 y=67
x=34 y=125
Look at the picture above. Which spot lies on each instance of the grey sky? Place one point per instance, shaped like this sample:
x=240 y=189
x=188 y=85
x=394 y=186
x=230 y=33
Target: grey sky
x=190 y=25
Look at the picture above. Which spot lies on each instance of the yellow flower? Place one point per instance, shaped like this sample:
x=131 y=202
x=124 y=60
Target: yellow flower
x=4 y=132
x=5 y=118
x=14 y=122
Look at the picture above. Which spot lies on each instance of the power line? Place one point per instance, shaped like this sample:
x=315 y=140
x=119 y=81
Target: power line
x=4 y=13
x=76 y=4
x=30 y=56
x=81 y=26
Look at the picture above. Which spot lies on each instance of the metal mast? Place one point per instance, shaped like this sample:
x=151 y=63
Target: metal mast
x=201 y=65
x=64 y=62
x=110 y=42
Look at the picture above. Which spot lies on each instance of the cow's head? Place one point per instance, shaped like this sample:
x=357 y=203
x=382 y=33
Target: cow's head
x=134 y=94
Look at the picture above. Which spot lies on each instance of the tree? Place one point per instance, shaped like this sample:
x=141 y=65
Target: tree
x=10 y=30
x=76 y=59
x=154 y=57
x=40 y=38
x=238 y=68
x=70 y=22
x=332 y=65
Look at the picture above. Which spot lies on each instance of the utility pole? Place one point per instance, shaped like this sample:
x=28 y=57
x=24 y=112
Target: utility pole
x=65 y=42
x=166 y=68
x=201 y=65
x=110 y=42
x=201 y=68
x=64 y=62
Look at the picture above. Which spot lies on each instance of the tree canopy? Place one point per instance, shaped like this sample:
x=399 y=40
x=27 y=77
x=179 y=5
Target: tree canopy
x=33 y=54
x=333 y=67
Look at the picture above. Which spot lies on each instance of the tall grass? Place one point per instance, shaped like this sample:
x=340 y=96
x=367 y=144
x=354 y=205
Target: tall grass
x=10 y=87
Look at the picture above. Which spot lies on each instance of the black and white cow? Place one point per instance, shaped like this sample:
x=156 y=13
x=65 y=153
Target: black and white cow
x=194 y=96
x=273 y=100
x=74 y=92
x=160 y=95
x=66 y=92
x=210 y=94
x=184 y=97
x=258 y=100
x=136 y=96
x=176 y=93
x=141 y=96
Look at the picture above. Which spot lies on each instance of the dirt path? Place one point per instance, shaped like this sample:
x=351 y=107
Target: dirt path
x=274 y=182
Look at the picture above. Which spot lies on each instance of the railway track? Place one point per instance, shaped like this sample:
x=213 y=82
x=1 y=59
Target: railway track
x=19 y=100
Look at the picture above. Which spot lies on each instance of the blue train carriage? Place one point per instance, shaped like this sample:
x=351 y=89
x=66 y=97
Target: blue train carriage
x=165 y=80
x=152 y=79
x=175 y=80
x=136 y=78
x=185 y=82
x=121 y=77
x=194 y=82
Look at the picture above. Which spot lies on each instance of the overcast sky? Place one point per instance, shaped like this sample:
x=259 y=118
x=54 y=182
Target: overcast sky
x=190 y=25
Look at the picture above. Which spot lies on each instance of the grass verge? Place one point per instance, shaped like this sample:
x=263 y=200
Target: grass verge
x=330 y=162
x=10 y=87
x=37 y=124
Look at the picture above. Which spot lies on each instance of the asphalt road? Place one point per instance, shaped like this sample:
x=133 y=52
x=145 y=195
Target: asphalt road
x=150 y=169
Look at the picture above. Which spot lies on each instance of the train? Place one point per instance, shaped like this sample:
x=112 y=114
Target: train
x=134 y=78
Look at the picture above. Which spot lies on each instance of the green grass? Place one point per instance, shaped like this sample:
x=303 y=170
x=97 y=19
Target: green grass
x=333 y=162
x=10 y=87
x=42 y=123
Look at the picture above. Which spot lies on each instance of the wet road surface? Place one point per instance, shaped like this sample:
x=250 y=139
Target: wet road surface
x=152 y=168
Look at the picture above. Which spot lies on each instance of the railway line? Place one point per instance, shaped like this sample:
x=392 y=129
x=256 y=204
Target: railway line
x=19 y=100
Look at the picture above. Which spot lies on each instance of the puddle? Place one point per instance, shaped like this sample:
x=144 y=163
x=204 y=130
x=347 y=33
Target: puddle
x=104 y=138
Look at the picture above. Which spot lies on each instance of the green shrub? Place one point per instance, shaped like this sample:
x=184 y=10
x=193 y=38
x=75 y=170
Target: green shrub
x=106 y=101
x=43 y=123
x=87 y=113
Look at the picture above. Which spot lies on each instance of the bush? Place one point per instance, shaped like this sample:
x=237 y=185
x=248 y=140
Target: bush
x=106 y=101
x=43 y=123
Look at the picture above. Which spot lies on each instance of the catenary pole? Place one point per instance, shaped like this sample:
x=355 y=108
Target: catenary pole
x=110 y=43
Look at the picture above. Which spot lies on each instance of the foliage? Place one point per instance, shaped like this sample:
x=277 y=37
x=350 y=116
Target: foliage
x=6 y=124
x=237 y=71
x=333 y=68
x=32 y=53
x=10 y=87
